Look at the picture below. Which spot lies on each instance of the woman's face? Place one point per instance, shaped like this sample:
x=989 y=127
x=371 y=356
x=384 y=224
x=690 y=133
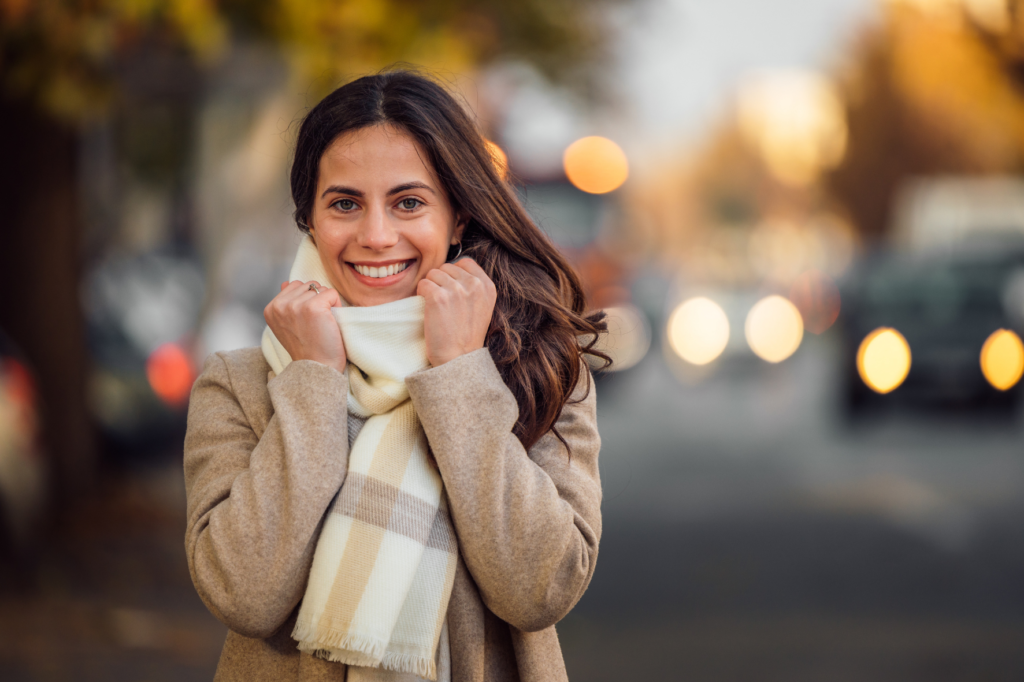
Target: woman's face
x=381 y=220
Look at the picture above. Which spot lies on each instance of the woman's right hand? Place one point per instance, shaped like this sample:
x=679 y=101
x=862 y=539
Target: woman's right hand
x=302 y=321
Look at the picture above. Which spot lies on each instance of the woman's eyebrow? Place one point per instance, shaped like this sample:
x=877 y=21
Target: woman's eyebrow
x=410 y=185
x=337 y=189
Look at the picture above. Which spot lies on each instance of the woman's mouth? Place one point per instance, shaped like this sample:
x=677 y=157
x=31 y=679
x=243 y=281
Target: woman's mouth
x=382 y=271
x=384 y=274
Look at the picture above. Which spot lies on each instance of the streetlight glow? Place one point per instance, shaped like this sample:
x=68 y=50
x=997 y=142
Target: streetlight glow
x=595 y=165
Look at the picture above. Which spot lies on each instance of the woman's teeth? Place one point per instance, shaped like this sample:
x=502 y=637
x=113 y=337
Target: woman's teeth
x=383 y=271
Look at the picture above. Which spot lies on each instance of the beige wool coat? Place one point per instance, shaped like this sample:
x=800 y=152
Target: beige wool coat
x=265 y=455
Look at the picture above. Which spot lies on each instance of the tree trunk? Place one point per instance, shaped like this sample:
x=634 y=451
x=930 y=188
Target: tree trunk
x=40 y=307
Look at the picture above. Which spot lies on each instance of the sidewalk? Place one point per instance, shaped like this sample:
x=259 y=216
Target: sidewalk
x=110 y=597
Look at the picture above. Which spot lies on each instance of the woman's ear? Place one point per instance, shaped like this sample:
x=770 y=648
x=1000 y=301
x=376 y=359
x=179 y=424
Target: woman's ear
x=460 y=228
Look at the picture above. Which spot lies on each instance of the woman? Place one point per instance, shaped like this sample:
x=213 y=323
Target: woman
x=402 y=482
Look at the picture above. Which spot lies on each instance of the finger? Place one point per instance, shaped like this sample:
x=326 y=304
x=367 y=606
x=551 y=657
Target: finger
x=454 y=271
x=331 y=297
x=307 y=295
x=297 y=294
x=425 y=287
x=294 y=287
x=474 y=270
x=440 y=277
x=288 y=291
x=309 y=290
x=471 y=276
x=472 y=267
x=326 y=296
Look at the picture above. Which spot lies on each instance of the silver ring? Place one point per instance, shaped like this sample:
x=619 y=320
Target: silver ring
x=312 y=287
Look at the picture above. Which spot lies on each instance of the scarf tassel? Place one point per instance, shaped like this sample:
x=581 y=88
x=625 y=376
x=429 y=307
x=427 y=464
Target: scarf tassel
x=338 y=647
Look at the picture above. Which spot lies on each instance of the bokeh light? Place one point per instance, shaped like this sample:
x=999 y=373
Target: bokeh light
x=595 y=165
x=817 y=298
x=698 y=330
x=1002 y=359
x=18 y=383
x=628 y=338
x=796 y=120
x=498 y=157
x=774 y=329
x=883 y=359
x=993 y=15
x=170 y=372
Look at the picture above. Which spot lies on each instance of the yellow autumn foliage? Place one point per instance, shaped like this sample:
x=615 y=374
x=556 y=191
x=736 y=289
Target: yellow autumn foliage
x=59 y=53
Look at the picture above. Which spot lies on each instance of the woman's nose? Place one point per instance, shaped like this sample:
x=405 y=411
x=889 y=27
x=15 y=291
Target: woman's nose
x=377 y=233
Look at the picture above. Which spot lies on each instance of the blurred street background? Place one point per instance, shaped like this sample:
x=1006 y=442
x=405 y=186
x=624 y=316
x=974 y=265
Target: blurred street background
x=805 y=219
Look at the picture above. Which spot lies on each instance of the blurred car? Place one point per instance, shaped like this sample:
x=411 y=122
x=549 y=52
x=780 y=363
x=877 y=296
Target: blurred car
x=141 y=313
x=945 y=306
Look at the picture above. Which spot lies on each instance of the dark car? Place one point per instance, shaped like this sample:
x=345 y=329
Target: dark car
x=945 y=306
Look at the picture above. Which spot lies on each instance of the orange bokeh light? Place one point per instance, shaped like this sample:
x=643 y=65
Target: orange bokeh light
x=170 y=372
x=595 y=165
x=816 y=296
x=1002 y=359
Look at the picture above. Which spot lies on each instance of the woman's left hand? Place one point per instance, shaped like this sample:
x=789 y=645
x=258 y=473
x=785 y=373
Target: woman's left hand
x=459 y=303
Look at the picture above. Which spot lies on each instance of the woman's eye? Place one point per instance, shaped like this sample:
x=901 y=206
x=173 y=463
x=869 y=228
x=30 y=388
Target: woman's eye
x=409 y=204
x=345 y=204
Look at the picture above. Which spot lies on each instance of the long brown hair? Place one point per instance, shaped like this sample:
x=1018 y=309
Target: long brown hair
x=540 y=329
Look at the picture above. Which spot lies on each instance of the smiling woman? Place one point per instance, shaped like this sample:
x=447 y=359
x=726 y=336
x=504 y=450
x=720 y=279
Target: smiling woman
x=381 y=220
x=402 y=482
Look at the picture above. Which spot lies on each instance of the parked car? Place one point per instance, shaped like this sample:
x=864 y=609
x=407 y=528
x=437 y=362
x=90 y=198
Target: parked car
x=945 y=306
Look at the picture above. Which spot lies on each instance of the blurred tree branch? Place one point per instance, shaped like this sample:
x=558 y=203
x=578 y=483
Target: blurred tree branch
x=61 y=54
x=929 y=94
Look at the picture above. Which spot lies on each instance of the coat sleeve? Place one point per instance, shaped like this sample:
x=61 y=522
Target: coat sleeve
x=255 y=503
x=528 y=523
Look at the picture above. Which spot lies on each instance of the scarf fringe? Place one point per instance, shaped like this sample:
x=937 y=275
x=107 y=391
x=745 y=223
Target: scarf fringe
x=359 y=651
x=410 y=663
x=340 y=642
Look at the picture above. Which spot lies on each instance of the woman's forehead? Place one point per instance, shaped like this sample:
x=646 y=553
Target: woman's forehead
x=375 y=154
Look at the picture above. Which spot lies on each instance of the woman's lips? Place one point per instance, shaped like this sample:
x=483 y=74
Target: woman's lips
x=381 y=281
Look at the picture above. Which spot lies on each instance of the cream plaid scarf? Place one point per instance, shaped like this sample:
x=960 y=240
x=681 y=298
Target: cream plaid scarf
x=384 y=565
